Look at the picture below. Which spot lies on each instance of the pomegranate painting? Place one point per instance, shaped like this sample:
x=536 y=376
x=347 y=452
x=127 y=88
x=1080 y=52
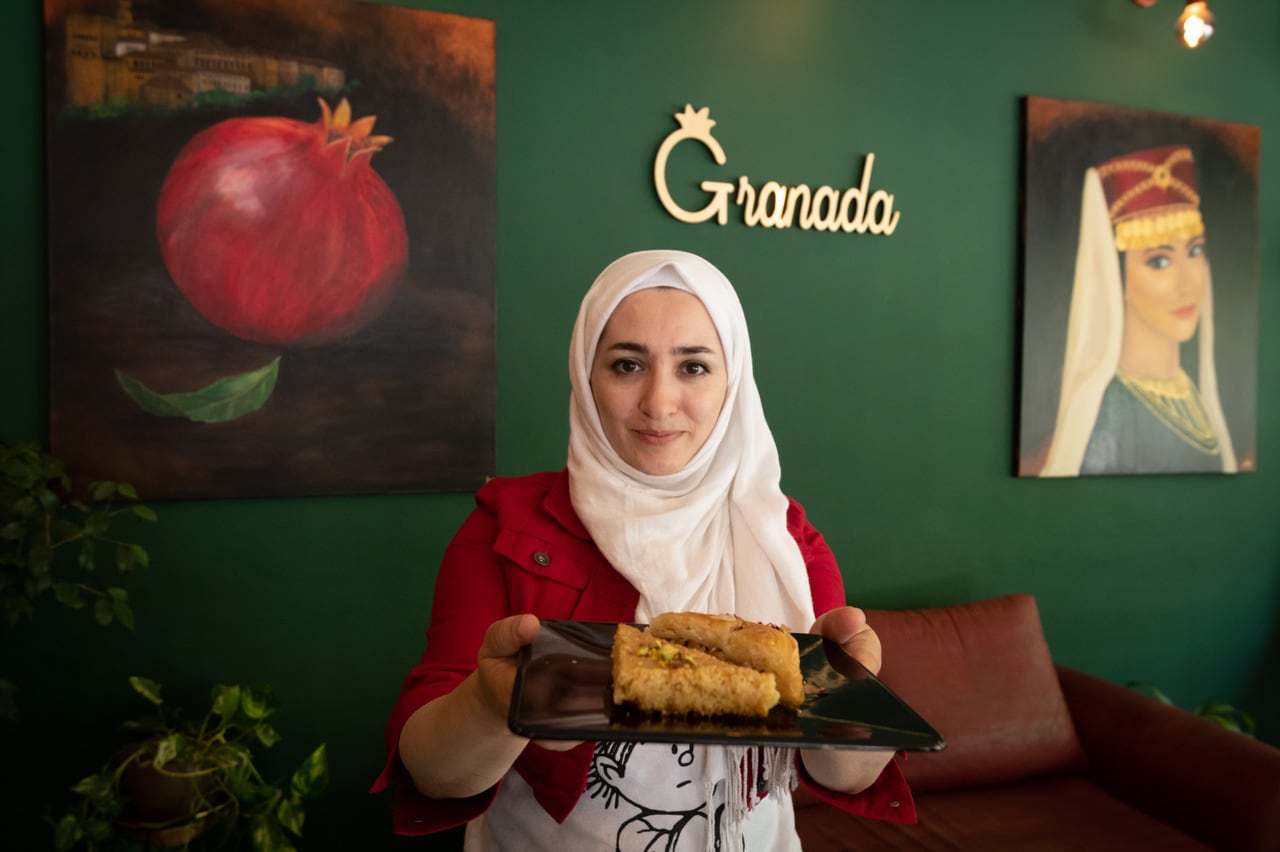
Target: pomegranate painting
x=271 y=246
x=281 y=232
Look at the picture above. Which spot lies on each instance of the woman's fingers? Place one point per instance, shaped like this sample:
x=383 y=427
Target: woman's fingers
x=496 y=660
x=506 y=637
x=848 y=627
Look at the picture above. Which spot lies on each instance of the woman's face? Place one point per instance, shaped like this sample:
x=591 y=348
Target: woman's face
x=1165 y=287
x=659 y=379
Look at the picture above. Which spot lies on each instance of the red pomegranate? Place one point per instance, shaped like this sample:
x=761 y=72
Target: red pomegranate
x=281 y=232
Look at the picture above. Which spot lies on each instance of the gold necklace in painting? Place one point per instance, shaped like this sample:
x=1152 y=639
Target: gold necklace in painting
x=1175 y=403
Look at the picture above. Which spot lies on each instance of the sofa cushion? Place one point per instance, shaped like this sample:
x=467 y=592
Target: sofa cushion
x=1050 y=814
x=981 y=674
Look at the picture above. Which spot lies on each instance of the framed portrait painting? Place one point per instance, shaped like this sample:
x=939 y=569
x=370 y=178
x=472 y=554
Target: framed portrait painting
x=271 y=246
x=1139 y=292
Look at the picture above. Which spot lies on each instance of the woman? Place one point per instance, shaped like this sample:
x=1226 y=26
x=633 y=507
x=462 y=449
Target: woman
x=1142 y=288
x=670 y=502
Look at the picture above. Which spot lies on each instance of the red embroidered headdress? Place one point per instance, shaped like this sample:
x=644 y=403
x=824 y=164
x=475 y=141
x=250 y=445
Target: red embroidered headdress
x=1151 y=197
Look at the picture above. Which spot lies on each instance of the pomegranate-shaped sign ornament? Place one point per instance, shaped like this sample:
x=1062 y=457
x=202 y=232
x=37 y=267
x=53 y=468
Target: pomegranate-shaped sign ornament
x=281 y=232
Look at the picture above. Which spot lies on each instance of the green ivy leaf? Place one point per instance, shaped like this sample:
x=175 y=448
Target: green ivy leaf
x=103 y=611
x=291 y=816
x=258 y=703
x=266 y=734
x=265 y=833
x=224 y=400
x=96 y=523
x=147 y=688
x=25 y=506
x=124 y=489
x=67 y=832
x=226 y=700
x=123 y=612
x=47 y=499
x=104 y=490
x=68 y=594
x=166 y=750
x=96 y=786
x=144 y=513
x=312 y=776
x=102 y=830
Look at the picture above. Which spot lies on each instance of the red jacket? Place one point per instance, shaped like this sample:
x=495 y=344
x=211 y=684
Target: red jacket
x=524 y=549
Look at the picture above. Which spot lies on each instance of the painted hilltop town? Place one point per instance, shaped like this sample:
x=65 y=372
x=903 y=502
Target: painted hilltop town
x=119 y=60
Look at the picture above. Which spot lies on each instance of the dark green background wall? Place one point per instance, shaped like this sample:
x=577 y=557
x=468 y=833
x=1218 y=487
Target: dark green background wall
x=887 y=365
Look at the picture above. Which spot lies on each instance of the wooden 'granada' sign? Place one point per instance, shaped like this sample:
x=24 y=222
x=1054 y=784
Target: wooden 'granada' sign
x=853 y=210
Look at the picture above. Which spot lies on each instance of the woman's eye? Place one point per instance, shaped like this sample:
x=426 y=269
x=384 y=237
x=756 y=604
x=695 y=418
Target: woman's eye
x=1196 y=250
x=1159 y=261
x=625 y=365
x=696 y=368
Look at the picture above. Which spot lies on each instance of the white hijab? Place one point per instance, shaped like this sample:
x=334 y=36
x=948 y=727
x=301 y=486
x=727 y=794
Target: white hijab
x=712 y=537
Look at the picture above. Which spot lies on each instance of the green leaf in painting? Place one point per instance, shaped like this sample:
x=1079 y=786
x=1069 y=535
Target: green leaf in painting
x=224 y=400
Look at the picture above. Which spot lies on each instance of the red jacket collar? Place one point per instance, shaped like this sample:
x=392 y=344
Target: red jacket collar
x=559 y=504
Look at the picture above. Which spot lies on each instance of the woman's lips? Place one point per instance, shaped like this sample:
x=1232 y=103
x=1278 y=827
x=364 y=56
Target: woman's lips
x=654 y=437
x=1186 y=311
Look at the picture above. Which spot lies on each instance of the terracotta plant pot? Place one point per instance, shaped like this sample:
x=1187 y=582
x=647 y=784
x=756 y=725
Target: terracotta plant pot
x=161 y=806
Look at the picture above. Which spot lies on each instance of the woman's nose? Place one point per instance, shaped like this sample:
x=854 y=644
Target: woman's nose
x=661 y=396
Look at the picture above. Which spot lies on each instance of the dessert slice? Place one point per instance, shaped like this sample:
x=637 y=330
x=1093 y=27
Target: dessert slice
x=764 y=647
x=658 y=676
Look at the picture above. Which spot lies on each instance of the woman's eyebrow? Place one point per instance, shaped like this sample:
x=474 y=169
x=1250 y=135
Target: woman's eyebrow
x=641 y=349
x=628 y=346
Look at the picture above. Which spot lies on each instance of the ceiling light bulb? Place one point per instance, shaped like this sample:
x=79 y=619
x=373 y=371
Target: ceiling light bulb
x=1195 y=24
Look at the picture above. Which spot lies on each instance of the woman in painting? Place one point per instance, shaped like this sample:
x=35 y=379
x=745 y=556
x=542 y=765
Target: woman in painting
x=671 y=501
x=1142 y=289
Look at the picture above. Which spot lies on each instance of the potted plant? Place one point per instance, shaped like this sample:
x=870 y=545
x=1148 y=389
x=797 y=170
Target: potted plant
x=192 y=783
x=51 y=542
x=1218 y=712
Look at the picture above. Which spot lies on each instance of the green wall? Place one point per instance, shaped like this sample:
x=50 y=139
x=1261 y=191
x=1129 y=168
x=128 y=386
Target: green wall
x=887 y=365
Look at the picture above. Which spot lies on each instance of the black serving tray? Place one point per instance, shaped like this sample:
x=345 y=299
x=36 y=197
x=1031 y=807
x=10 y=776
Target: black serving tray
x=563 y=691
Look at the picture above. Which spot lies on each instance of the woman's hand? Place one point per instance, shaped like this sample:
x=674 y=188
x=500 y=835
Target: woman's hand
x=496 y=667
x=849 y=771
x=459 y=744
x=496 y=661
x=847 y=626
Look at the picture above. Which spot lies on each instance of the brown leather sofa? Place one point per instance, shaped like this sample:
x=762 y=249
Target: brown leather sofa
x=1045 y=757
